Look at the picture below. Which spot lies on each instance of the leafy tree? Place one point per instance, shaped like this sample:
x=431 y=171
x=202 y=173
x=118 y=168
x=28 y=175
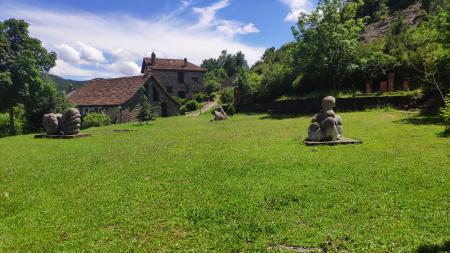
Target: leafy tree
x=146 y=112
x=211 y=86
x=326 y=42
x=22 y=60
x=373 y=62
x=431 y=54
x=227 y=96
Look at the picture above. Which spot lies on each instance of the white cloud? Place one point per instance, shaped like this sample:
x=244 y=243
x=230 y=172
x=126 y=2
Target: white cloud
x=90 y=53
x=65 y=69
x=121 y=54
x=68 y=53
x=229 y=28
x=297 y=7
x=107 y=44
x=125 y=68
x=208 y=14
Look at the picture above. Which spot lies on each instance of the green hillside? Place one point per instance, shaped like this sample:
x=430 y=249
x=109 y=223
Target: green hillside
x=64 y=84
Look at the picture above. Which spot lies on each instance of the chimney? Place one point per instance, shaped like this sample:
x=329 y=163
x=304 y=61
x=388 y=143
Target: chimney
x=153 y=58
x=185 y=62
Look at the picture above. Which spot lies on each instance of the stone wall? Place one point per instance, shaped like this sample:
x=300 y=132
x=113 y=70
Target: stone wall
x=313 y=105
x=193 y=82
x=173 y=108
x=128 y=112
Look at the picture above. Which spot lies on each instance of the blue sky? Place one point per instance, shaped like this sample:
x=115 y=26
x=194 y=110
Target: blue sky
x=98 y=38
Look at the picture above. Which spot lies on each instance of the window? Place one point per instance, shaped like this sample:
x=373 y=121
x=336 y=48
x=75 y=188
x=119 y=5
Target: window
x=195 y=79
x=182 y=94
x=155 y=94
x=169 y=89
x=180 y=77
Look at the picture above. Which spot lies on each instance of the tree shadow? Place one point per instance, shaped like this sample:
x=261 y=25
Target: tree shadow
x=274 y=116
x=422 y=120
x=444 y=247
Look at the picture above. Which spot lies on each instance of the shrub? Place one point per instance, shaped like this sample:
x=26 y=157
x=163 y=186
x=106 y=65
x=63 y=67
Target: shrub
x=229 y=109
x=183 y=110
x=445 y=113
x=201 y=97
x=212 y=96
x=146 y=112
x=191 y=105
x=227 y=96
x=4 y=125
x=212 y=86
x=181 y=101
x=95 y=120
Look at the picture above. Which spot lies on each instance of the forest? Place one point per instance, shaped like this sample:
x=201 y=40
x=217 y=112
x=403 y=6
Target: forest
x=328 y=52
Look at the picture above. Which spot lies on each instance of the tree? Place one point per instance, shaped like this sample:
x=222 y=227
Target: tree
x=326 y=42
x=22 y=59
x=373 y=62
x=431 y=54
x=146 y=113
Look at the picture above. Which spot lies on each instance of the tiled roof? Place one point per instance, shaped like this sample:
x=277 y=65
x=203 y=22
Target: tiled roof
x=170 y=64
x=114 y=91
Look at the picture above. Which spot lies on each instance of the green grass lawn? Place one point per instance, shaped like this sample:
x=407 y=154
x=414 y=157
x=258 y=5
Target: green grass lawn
x=247 y=184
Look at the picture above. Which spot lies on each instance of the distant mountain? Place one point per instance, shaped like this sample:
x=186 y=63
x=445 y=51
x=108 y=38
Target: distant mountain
x=64 y=84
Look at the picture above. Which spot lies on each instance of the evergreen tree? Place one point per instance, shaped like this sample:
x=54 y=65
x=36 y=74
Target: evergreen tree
x=146 y=113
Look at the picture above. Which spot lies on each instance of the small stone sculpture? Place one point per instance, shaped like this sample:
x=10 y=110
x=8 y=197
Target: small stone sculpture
x=67 y=124
x=220 y=114
x=326 y=126
x=51 y=123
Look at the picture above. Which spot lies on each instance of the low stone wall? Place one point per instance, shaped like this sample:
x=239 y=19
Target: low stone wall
x=310 y=106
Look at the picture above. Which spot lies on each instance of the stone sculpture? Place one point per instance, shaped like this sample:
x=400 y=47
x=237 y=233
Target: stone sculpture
x=326 y=126
x=67 y=124
x=220 y=114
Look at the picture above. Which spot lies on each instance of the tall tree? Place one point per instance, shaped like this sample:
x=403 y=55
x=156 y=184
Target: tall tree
x=327 y=42
x=23 y=59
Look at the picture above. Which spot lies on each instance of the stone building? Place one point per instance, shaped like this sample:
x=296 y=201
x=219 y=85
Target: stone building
x=121 y=98
x=178 y=77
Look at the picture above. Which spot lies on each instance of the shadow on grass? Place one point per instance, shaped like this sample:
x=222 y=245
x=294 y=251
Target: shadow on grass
x=281 y=116
x=445 y=247
x=422 y=120
x=142 y=125
x=444 y=134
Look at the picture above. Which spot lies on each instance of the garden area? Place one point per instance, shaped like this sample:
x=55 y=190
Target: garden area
x=246 y=184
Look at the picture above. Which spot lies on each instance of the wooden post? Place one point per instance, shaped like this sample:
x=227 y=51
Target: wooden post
x=369 y=87
x=237 y=95
x=391 y=81
x=383 y=86
x=406 y=84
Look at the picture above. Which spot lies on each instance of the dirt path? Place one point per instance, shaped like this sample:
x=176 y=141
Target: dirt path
x=208 y=106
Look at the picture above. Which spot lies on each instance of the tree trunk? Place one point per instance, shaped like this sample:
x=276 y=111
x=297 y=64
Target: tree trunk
x=440 y=93
x=11 y=121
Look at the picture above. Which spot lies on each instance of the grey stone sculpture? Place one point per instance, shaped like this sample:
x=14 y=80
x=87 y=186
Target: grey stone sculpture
x=220 y=114
x=67 y=124
x=326 y=126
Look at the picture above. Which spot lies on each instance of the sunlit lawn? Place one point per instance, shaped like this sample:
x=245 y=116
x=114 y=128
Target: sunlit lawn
x=247 y=184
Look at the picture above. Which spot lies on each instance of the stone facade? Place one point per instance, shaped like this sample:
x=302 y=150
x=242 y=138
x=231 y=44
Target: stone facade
x=179 y=77
x=164 y=105
x=183 y=84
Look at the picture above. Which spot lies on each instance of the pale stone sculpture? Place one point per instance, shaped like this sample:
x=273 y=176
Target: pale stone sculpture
x=67 y=124
x=220 y=114
x=51 y=123
x=326 y=126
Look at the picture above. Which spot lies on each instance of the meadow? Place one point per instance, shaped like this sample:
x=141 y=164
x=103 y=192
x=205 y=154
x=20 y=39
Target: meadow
x=246 y=184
